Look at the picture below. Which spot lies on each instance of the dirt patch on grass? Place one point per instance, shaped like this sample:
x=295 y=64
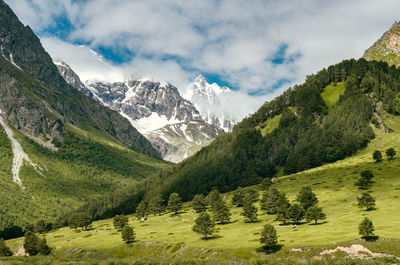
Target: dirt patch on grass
x=355 y=251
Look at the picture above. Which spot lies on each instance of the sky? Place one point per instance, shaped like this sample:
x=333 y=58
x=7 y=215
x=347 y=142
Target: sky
x=256 y=47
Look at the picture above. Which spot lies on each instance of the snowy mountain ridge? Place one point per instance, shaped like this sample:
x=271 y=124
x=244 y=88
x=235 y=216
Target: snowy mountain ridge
x=212 y=102
x=172 y=124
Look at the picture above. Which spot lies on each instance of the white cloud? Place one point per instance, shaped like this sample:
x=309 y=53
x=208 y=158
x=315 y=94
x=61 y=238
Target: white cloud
x=233 y=39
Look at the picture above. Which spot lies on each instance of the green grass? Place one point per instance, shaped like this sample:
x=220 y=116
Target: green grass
x=332 y=93
x=333 y=183
x=334 y=186
x=87 y=165
x=270 y=125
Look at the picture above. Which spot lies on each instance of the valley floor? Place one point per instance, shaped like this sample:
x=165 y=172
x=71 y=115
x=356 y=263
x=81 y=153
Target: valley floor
x=170 y=237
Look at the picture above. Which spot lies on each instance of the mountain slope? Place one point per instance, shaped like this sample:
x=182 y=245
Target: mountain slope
x=155 y=109
x=307 y=126
x=21 y=48
x=387 y=48
x=307 y=135
x=59 y=147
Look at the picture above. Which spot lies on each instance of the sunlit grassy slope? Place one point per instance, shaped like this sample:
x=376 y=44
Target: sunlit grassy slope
x=331 y=94
x=90 y=164
x=333 y=184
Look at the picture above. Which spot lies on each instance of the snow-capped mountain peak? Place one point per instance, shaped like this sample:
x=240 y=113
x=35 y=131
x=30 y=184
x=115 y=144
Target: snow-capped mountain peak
x=211 y=101
x=172 y=124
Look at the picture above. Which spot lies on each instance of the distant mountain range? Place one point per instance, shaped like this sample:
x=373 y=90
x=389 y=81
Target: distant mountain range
x=176 y=127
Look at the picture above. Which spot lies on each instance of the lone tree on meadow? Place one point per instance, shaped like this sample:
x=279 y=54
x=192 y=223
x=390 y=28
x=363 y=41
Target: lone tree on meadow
x=141 y=210
x=295 y=213
x=306 y=198
x=366 y=201
x=4 y=249
x=198 y=203
x=249 y=210
x=204 y=225
x=269 y=237
x=365 y=180
x=315 y=213
x=120 y=221
x=128 y=235
x=377 y=156
x=174 y=203
x=366 y=228
x=221 y=212
x=391 y=153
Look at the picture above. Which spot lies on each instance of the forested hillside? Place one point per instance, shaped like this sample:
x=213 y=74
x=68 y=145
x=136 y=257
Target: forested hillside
x=325 y=119
x=309 y=132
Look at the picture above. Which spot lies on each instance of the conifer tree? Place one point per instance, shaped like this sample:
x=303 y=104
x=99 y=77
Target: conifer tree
x=282 y=207
x=238 y=197
x=221 y=212
x=204 y=225
x=198 y=203
x=366 y=228
x=252 y=194
x=155 y=205
x=367 y=201
x=31 y=243
x=315 y=213
x=174 y=203
x=249 y=210
x=306 y=198
x=141 y=210
x=269 y=201
x=269 y=237
x=295 y=213
x=119 y=221
x=127 y=233
x=213 y=197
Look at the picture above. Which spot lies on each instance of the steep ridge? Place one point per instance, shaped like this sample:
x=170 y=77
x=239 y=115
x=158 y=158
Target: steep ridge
x=51 y=97
x=387 y=48
x=58 y=147
x=155 y=109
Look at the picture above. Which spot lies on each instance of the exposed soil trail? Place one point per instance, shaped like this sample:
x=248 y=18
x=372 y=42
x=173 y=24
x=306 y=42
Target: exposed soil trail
x=18 y=151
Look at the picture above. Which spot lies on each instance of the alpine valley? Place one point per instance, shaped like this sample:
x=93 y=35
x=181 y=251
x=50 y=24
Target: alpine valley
x=312 y=177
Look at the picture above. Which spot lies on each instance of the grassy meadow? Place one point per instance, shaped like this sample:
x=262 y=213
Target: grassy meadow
x=334 y=184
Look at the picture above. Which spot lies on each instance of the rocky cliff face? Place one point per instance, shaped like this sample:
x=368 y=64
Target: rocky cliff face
x=72 y=78
x=210 y=100
x=139 y=99
x=171 y=123
x=387 y=48
x=37 y=99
